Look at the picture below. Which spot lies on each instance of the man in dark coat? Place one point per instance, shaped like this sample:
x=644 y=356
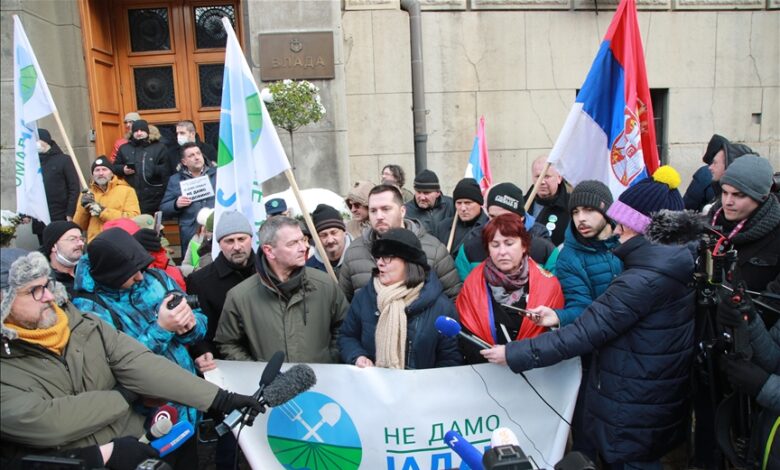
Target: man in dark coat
x=643 y=342
x=551 y=204
x=186 y=133
x=63 y=245
x=143 y=164
x=700 y=191
x=468 y=210
x=429 y=206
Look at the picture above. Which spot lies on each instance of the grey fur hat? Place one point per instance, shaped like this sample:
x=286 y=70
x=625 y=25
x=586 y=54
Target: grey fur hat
x=17 y=268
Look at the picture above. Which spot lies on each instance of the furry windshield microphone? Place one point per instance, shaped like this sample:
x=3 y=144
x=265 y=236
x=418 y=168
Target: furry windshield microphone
x=674 y=227
x=288 y=385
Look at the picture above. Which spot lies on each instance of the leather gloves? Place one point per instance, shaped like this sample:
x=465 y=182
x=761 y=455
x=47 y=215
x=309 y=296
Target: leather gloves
x=746 y=376
x=733 y=315
x=225 y=402
x=148 y=239
x=129 y=452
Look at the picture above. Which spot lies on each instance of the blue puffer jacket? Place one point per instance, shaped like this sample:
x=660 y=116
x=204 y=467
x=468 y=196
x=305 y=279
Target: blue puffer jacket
x=425 y=347
x=136 y=308
x=641 y=330
x=584 y=272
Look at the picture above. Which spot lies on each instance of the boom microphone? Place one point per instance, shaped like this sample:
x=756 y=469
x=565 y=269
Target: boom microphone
x=467 y=452
x=269 y=374
x=289 y=385
x=450 y=328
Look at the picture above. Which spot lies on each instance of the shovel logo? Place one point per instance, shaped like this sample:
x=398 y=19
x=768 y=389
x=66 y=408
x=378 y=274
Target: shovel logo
x=313 y=432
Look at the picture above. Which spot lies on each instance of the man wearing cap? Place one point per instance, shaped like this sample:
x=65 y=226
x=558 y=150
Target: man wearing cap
x=468 y=209
x=720 y=156
x=429 y=207
x=332 y=232
x=108 y=198
x=642 y=328
x=70 y=380
x=276 y=206
x=234 y=264
x=177 y=205
x=187 y=134
x=286 y=306
x=700 y=190
x=130 y=118
x=551 y=204
x=143 y=164
x=387 y=211
x=357 y=202
x=501 y=199
x=63 y=245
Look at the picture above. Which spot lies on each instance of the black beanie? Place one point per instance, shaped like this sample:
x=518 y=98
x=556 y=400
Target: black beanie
x=467 y=188
x=45 y=136
x=508 y=196
x=714 y=146
x=591 y=193
x=427 y=181
x=100 y=161
x=140 y=125
x=325 y=217
x=53 y=232
x=115 y=256
x=401 y=243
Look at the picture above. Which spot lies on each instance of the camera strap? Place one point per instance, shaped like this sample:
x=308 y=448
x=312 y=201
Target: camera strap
x=735 y=230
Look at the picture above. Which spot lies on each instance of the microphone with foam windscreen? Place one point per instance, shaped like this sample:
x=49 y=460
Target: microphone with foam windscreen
x=289 y=385
x=450 y=328
x=505 y=452
x=269 y=374
x=467 y=452
x=161 y=423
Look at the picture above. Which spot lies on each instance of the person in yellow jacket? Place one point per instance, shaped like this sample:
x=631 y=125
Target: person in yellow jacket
x=108 y=198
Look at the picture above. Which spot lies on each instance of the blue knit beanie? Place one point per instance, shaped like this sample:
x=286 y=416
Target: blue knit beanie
x=637 y=203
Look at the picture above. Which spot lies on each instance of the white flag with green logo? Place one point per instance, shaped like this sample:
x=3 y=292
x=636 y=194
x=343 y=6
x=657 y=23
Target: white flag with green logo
x=32 y=101
x=249 y=149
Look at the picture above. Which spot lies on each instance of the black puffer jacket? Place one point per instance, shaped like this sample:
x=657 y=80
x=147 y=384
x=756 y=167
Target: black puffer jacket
x=151 y=171
x=434 y=217
x=641 y=331
x=555 y=214
x=61 y=183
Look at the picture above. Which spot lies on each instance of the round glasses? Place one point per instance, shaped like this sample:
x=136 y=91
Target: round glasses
x=37 y=291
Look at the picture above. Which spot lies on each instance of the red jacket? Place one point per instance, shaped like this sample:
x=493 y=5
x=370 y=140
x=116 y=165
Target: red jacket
x=474 y=298
x=161 y=261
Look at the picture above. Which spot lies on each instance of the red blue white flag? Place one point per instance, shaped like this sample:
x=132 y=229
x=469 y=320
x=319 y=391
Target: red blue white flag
x=479 y=162
x=609 y=134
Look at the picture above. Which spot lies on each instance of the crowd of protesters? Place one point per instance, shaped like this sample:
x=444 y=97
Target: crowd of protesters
x=97 y=330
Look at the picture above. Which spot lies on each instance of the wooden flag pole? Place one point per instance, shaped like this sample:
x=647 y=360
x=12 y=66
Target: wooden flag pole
x=72 y=154
x=307 y=218
x=452 y=231
x=531 y=196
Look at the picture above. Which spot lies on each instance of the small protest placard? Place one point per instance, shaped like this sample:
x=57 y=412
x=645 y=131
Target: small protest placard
x=197 y=188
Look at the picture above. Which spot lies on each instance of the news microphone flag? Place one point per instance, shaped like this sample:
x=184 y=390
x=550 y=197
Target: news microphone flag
x=249 y=151
x=32 y=101
x=609 y=134
x=479 y=162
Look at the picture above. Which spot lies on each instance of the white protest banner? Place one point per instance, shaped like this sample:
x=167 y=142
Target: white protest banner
x=197 y=188
x=377 y=418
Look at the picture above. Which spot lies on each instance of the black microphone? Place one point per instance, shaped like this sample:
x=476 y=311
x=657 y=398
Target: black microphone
x=270 y=373
x=289 y=385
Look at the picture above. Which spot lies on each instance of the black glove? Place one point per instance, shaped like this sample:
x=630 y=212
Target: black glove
x=733 y=315
x=129 y=396
x=87 y=199
x=129 y=452
x=148 y=239
x=225 y=402
x=746 y=376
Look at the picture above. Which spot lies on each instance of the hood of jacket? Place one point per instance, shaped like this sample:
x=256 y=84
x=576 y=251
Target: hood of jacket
x=111 y=259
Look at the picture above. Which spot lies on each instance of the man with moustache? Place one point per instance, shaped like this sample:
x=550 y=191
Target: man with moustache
x=285 y=306
x=63 y=245
x=332 y=232
x=468 y=210
x=429 y=207
x=551 y=204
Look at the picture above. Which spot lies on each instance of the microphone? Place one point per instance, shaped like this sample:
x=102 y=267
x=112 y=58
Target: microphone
x=505 y=452
x=467 y=452
x=166 y=411
x=159 y=428
x=178 y=435
x=503 y=437
x=289 y=385
x=269 y=374
x=450 y=328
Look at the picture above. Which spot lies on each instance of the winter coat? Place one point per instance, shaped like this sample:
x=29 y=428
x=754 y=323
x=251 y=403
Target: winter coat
x=163 y=263
x=425 y=347
x=174 y=154
x=555 y=214
x=60 y=182
x=700 y=192
x=434 y=217
x=118 y=201
x=134 y=312
x=766 y=347
x=358 y=263
x=49 y=401
x=641 y=331
x=188 y=223
x=259 y=320
x=151 y=171
x=211 y=284
x=584 y=270
x=464 y=231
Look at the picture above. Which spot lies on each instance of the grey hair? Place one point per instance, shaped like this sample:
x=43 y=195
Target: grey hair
x=267 y=233
x=24 y=270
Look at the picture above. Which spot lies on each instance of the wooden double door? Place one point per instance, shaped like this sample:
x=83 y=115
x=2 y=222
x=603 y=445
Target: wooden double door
x=163 y=59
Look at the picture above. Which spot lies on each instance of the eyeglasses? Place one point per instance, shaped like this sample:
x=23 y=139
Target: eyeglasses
x=74 y=239
x=387 y=259
x=38 y=291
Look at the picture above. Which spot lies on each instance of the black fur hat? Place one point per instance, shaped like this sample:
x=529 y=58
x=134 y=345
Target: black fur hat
x=400 y=243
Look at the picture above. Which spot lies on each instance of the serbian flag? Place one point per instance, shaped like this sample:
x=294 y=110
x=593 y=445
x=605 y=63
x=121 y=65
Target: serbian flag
x=609 y=134
x=479 y=162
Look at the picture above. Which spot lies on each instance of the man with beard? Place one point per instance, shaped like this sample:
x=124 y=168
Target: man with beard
x=468 y=209
x=332 y=232
x=109 y=198
x=429 y=207
x=142 y=162
x=285 y=306
x=63 y=245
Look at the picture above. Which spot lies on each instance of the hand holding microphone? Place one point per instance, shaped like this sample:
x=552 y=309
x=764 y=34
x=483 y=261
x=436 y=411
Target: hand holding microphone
x=450 y=328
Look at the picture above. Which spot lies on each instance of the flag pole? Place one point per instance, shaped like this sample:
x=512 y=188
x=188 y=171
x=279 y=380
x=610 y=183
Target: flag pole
x=307 y=218
x=452 y=231
x=72 y=154
x=531 y=196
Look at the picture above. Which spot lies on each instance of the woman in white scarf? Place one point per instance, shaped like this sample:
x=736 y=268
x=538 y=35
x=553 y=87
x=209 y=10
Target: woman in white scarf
x=390 y=322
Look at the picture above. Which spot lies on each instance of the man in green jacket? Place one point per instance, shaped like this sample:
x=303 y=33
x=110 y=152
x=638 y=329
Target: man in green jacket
x=69 y=380
x=285 y=306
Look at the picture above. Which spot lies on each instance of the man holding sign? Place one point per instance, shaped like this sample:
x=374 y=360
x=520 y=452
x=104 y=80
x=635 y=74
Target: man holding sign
x=189 y=191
